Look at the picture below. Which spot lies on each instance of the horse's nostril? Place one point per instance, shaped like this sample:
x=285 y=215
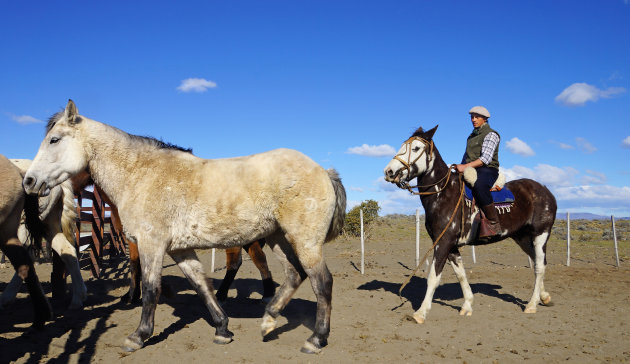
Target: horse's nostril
x=29 y=181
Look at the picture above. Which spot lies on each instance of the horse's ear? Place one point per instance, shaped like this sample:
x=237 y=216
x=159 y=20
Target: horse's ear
x=430 y=133
x=71 y=112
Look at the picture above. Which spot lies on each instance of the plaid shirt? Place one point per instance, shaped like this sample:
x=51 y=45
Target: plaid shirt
x=490 y=143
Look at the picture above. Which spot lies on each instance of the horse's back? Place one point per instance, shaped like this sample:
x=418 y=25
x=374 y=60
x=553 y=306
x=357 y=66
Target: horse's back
x=535 y=198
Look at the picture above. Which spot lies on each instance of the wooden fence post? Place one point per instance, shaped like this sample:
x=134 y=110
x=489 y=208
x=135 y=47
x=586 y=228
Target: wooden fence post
x=473 y=255
x=417 y=237
x=212 y=264
x=614 y=231
x=568 y=240
x=362 y=244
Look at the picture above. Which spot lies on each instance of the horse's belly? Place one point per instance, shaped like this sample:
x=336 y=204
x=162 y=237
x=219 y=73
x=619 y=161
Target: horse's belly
x=222 y=236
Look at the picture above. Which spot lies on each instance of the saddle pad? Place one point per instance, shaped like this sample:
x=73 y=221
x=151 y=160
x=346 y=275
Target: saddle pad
x=502 y=196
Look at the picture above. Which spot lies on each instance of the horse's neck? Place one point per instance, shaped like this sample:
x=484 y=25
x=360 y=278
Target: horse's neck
x=112 y=160
x=437 y=178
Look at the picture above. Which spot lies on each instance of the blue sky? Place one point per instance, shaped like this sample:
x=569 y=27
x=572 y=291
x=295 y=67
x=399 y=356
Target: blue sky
x=345 y=82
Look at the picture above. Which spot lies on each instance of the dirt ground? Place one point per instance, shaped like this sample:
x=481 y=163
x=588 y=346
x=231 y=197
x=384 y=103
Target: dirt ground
x=588 y=322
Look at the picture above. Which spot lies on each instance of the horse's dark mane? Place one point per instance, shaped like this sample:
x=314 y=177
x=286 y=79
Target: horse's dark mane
x=418 y=133
x=53 y=120
x=160 y=144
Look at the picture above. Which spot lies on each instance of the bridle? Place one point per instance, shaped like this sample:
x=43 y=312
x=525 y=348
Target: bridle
x=407 y=165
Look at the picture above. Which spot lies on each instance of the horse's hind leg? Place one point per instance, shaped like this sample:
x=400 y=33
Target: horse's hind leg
x=233 y=261
x=294 y=276
x=260 y=260
x=193 y=270
x=536 y=250
x=458 y=266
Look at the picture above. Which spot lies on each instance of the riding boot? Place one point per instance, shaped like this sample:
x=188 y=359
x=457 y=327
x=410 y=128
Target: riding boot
x=490 y=225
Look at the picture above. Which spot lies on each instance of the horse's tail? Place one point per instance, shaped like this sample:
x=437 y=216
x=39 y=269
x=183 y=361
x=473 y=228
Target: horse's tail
x=35 y=227
x=69 y=213
x=339 y=215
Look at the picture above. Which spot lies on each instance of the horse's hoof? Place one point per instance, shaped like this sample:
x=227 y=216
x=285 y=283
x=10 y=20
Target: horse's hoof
x=419 y=319
x=530 y=310
x=309 y=348
x=222 y=340
x=465 y=312
x=268 y=325
x=132 y=344
x=546 y=301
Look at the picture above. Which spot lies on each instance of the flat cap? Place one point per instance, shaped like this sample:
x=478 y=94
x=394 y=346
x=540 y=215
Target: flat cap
x=480 y=110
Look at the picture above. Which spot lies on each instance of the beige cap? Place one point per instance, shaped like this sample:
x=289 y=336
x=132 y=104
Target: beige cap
x=480 y=110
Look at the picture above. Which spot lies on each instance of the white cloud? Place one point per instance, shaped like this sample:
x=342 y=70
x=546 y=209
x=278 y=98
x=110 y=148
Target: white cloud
x=24 y=119
x=585 y=145
x=543 y=173
x=580 y=93
x=382 y=150
x=593 y=178
x=595 y=195
x=626 y=142
x=517 y=146
x=562 y=145
x=357 y=189
x=196 y=85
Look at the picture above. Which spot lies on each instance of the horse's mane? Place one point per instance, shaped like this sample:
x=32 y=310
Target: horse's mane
x=53 y=120
x=158 y=143
x=418 y=133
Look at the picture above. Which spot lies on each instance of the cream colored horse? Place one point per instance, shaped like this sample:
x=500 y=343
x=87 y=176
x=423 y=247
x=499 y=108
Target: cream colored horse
x=58 y=213
x=171 y=202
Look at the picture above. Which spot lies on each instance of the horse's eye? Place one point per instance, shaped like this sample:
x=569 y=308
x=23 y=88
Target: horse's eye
x=415 y=149
x=54 y=140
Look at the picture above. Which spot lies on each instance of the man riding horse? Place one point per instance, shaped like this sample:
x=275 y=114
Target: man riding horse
x=482 y=153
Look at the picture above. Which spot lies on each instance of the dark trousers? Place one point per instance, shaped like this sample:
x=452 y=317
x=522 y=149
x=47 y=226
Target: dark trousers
x=486 y=176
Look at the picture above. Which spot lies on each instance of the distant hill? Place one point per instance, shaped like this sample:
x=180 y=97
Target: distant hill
x=586 y=216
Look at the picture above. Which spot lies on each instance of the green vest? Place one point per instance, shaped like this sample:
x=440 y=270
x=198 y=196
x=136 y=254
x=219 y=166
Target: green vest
x=474 y=143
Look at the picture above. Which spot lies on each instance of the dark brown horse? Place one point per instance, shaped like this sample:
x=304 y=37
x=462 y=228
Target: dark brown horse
x=451 y=223
x=233 y=255
x=13 y=201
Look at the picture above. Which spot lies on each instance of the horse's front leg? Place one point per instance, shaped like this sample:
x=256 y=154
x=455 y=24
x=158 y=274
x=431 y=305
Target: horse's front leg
x=433 y=280
x=135 y=275
x=458 y=266
x=193 y=270
x=151 y=260
x=68 y=255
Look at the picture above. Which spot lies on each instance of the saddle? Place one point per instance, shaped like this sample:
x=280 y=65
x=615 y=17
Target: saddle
x=503 y=198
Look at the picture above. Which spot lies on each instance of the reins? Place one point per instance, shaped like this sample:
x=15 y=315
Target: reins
x=446 y=180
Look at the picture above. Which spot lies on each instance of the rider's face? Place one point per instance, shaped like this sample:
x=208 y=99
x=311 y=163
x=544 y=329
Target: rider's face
x=477 y=120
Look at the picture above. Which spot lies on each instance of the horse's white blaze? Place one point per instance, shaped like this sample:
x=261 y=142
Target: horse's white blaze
x=398 y=169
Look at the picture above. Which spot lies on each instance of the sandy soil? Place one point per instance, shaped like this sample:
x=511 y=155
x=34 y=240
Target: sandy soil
x=589 y=321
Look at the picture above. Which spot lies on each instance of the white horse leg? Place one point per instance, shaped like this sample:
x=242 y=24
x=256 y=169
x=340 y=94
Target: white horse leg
x=433 y=281
x=458 y=266
x=69 y=256
x=539 y=272
x=193 y=270
x=10 y=291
